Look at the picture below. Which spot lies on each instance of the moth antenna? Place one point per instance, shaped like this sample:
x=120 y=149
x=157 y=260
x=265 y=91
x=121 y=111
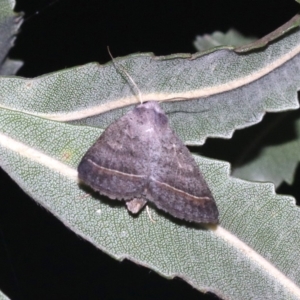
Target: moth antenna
x=128 y=77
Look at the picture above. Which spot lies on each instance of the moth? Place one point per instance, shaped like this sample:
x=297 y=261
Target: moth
x=139 y=158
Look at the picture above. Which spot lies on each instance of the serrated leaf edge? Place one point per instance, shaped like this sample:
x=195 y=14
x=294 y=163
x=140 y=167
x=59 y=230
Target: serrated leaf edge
x=161 y=97
x=219 y=231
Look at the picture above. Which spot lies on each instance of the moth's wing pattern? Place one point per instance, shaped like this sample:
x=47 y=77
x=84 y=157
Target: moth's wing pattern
x=176 y=183
x=138 y=157
x=117 y=165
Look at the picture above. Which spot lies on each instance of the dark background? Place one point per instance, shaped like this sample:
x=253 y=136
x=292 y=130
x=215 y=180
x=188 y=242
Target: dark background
x=39 y=257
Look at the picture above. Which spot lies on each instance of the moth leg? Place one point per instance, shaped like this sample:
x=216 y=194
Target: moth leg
x=135 y=205
x=149 y=214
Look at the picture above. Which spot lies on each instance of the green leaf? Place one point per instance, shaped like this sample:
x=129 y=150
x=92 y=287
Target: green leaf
x=9 y=25
x=254 y=250
x=258 y=236
x=272 y=163
x=10 y=67
x=230 y=38
x=279 y=32
x=226 y=90
x=276 y=159
x=3 y=296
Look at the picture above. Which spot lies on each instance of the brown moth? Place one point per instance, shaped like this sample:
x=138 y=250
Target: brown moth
x=139 y=158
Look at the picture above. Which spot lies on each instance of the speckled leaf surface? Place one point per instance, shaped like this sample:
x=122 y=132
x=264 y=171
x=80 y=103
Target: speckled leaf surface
x=9 y=25
x=253 y=252
x=216 y=92
x=3 y=297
